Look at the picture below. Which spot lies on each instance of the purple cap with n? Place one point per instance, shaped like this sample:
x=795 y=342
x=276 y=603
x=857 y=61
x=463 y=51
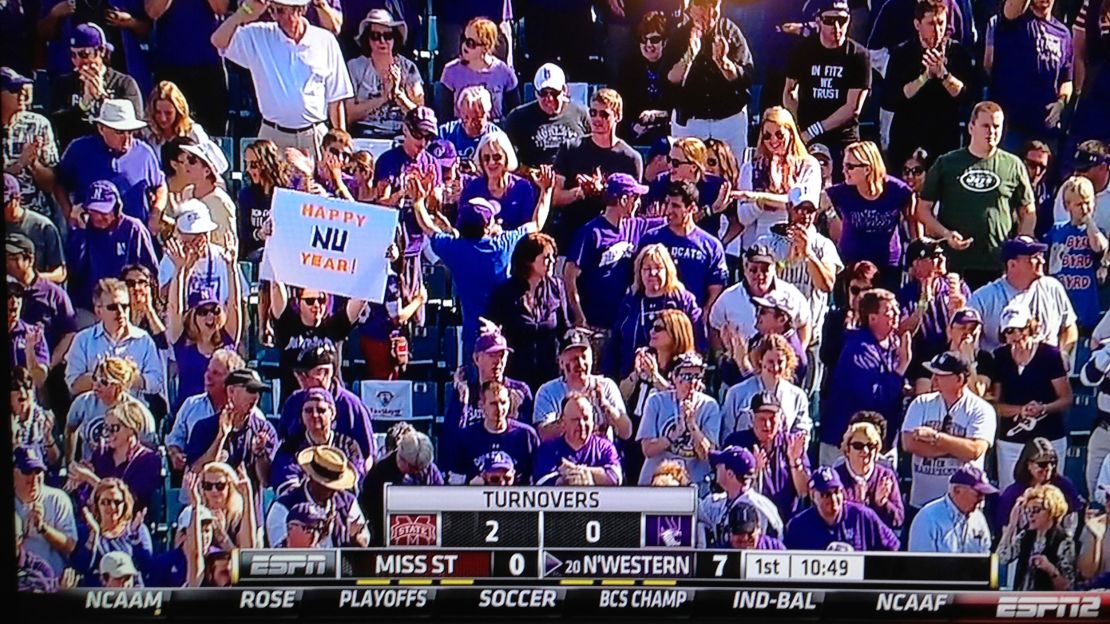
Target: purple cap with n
x=491 y=342
x=102 y=196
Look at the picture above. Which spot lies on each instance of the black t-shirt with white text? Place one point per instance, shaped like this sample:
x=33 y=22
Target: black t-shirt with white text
x=537 y=135
x=824 y=77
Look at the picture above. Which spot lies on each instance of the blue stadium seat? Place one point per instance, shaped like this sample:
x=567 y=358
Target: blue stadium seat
x=1075 y=466
x=424 y=343
x=452 y=347
x=1081 y=416
x=437 y=280
x=425 y=400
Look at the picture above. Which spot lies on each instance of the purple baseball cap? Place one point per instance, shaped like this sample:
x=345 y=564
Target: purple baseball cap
x=423 y=119
x=444 y=152
x=497 y=460
x=29 y=459
x=201 y=296
x=974 y=478
x=736 y=458
x=477 y=212
x=13 y=81
x=89 y=35
x=621 y=184
x=821 y=7
x=1022 y=246
x=967 y=315
x=12 y=188
x=319 y=394
x=307 y=514
x=491 y=342
x=102 y=196
x=825 y=480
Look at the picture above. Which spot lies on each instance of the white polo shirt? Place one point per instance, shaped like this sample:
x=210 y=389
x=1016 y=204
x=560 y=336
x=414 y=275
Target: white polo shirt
x=1046 y=299
x=735 y=308
x=294 y=81
x=971 y=418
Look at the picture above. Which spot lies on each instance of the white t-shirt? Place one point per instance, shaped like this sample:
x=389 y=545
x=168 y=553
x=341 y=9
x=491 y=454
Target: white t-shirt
x=294 y=80
x=735 y=308
x=970 y=417
x=1046 y=299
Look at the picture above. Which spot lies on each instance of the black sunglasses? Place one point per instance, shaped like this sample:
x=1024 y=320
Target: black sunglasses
x=862 y=446
x=1032 y=164
x=208 y=486
x=112 y=429
x=550 y=93
x=688 y=376
x=658 y=327
x=338 y=153
x=134 y=283
x=82 y=54
x=596 y=112
x=834 y=20
x=913 y=170
x=320 y=300
x=855 y=290
x=381 y=36
x=210 y=309
x=494 y=157
x=675 y=163
x=114 y=502
x=853 y=166
x=1044 y=465
x=117 y=307
x=468 y=42
x=652 y=39
x=778 y=134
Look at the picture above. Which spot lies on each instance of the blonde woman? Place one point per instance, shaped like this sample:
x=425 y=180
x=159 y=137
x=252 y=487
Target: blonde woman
x=111 y=524
x=655 y=287
x=780 y=163
x=113 y=380
x=229 y=496
x=688 y=161
x=1034 y=538
x=122 y=455
x=868 y=212
x=867 y=480
x=496 y=160
x=167 y=114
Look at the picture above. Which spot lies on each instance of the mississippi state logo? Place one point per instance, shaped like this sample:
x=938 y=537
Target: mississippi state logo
x=980 y=180
x=419 y=530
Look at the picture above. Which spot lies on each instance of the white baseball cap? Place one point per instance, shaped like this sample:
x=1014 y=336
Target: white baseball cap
x=1015 y=317
x=292 y=2
x=186 y=516
x=194 y=217
x=798 y=195
x=550 y=76
x=117 y=564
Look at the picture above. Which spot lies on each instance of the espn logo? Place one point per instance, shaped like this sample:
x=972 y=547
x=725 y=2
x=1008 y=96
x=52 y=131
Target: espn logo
x=287 y=564
x=1067 y=606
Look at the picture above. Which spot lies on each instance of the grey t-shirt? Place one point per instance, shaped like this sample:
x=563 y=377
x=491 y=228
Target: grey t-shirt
x=44 y=235
x=1046 y=299
x=661 y=418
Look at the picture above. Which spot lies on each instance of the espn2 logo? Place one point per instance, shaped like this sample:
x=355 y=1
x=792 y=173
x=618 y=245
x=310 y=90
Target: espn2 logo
x=1068 y=606
x=287 y=564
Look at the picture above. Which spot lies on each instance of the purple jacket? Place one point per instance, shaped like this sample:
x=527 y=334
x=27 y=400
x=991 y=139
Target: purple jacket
x=865 y=379
x=892 y=513
x=94 y=254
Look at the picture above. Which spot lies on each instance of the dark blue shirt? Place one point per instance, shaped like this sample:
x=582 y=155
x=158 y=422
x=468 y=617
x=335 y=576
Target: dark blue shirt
x=532 y=331
x=1032 y=58
x=864 y=379
x=181 y=35
x=857 y=526
x=519 y=441
x=352 y=418
x=605 y=255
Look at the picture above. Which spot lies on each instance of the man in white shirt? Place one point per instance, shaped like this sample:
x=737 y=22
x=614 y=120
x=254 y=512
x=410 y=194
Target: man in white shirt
x=734 y=308
x=735 y=470
x=945 y=430
x=298 y=71
x=1025 y=285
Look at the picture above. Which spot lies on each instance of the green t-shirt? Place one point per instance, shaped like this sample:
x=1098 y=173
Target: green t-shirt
x=978 y=198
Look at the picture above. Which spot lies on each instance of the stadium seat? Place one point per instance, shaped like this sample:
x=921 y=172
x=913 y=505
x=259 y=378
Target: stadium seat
x=377 y=147
x=1075 y=466
x=425 y=400
x=1081 y=416
x=423 y=344
x=437 y=280
x=452 y=347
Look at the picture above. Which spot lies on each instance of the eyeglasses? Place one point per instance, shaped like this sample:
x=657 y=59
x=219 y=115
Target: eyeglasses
x=778 y=134
x=468 y=42
x=381 y=36
x=251 y=163
x=493 y=157
x=658 y=327
x=550 y=93
x=82 y=54
x=117 y=307
x=1045 y=465
x=320 y=300
x=1032 y=511
x=652 y=39
x=363 y=169
x=676 y=163
x=1033 y=164
x=420 y=135
x=711 y=162
x=112 y=428
x=208 y=310
x=498 y=480
x=862 y=446
x=208 y=486
x=135 y=283
x=913 y=171
x=687 y=376
x=600 y=112
x=113 y=502
x=834 y=20
x=850 y=166
x=338 y=153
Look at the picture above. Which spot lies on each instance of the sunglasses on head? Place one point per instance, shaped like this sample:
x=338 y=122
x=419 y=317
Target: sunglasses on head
x=135 y=283
x=208 y=486
x=862 y=446
x=550 y=93
x=652 y=39
x=319 y=300
x=834 y=20
x=493 y=157
x=777 y=134
x=913 y=170
x=117 y=307
x=468 y=42
x=210 y=309
x=381 y=36
x=600 y=112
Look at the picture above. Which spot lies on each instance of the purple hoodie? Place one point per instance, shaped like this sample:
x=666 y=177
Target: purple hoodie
x=865 y=378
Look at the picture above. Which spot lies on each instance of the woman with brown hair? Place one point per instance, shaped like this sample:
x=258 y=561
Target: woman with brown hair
x=111 y=524
x=477 y=65
x=655 y=287
x=267 y=170
x=779 y=164
x=1035 y=538
x=773 y=361
x=361 y=168
x=531 y=308
x=1038 y=465
x=869 y=208
x=167 y=114
x=387 y=85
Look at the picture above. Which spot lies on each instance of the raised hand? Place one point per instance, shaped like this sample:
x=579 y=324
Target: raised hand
x=137 y=521
x=231 y=246
x=243 y=484
x=225 y=420
x=544 y=178
x=795 y=445
x=175 y=251
x=883 y=490
x=299 y=161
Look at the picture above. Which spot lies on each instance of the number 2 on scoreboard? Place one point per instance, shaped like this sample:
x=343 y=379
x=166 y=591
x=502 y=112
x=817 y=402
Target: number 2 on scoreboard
x=494 y=526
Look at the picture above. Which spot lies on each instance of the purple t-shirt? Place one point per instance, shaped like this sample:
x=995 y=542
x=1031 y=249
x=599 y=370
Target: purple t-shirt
x=863 y=491
x=392 y=163
x=94 y=254
x=871 y=225
x=183 y=33
x=238 y=445
x=632 y=328
x=48 y=303
x=1032 y=57
x=857 y=527
x=598 y=452
x=497 y=79
x=141 y=472
x=604 y=254
x=191 y=364
x=517 y=204
x=136 y=173
x=458 y=417
x=777 y=482
x=17 y=338
x=699 y=257
x=519 y=441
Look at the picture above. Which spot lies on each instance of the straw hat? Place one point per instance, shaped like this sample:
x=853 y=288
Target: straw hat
x=327 y=466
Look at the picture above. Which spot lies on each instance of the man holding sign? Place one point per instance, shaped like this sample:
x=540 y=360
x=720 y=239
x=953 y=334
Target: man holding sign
x=478 y=252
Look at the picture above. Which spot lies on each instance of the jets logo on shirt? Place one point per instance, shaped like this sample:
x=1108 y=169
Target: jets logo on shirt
x=980 y=180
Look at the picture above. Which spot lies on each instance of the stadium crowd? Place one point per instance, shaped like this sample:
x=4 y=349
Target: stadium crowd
x=839 y=265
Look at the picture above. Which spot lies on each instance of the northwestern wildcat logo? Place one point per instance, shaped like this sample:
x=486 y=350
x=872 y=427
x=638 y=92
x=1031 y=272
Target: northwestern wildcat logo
x=419 y=530
x=980 y=180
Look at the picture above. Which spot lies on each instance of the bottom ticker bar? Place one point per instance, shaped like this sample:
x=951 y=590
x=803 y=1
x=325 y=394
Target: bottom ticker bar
x=388 y=603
